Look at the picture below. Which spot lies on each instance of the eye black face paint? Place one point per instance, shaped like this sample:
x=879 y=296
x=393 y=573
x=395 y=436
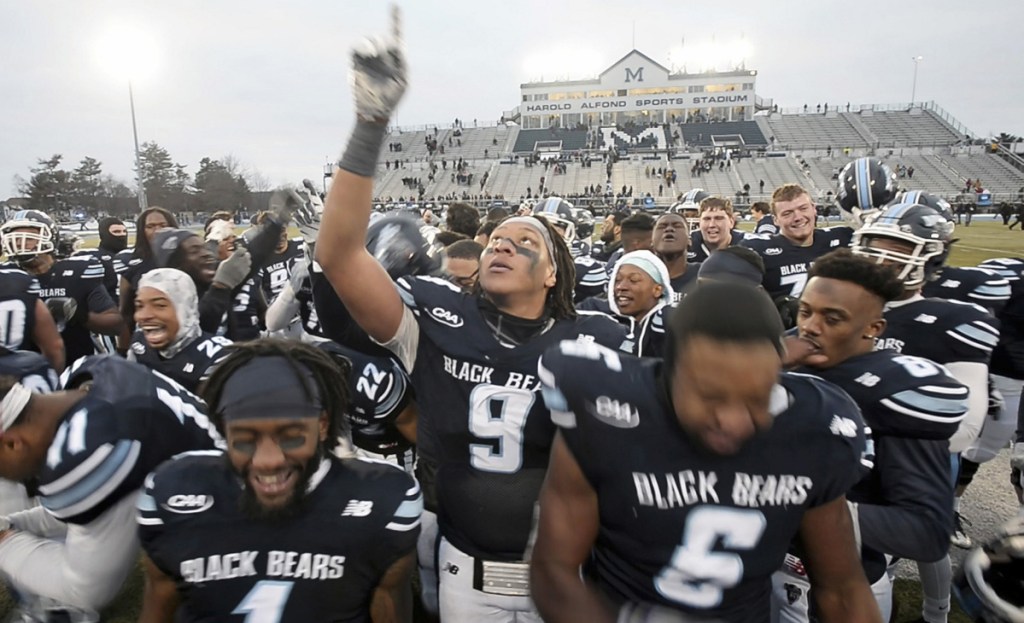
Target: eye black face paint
x=526 y=252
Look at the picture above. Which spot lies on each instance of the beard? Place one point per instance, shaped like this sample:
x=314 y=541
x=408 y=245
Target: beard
x=296 y=503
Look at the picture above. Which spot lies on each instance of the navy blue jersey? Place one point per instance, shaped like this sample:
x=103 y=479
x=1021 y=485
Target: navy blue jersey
x=1008 y=356
x=131 y=420
x=480 y=404
x=113 y=266
x=19 y=293
x=321 y=564
x=591 y=277
x=190 y=366
x=766 y=226
x=380 y=390
x=275 y=274
x=698 y=251
x=682 y=283
x=970 y=285
x=940 y=330
x=912 y=407
x=135 y=267
x=680 y=526
x=786 y=264
x=79 y=278
x=245 y=311
x=31 y=369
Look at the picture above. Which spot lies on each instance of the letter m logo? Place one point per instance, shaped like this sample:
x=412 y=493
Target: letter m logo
x=636 y=75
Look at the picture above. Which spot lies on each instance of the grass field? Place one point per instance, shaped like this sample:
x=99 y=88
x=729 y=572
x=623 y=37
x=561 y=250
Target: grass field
x=981 y=241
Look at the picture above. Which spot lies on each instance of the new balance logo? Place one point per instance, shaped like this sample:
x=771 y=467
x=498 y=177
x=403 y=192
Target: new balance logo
x=926 y=319
x=843 y=426
x=868 y=380
x=357 y=508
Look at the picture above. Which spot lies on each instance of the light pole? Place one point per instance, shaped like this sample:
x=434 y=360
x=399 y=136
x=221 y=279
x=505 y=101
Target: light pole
x=328 y=173
x=913 y=91
x=143 y=204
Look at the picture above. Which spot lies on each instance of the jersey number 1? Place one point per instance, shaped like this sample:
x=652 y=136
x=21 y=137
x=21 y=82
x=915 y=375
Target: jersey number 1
x=697 y=576
x=265 y=602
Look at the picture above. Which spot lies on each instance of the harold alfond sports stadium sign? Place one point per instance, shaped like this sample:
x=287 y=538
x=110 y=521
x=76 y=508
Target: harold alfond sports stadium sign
x=634 y=103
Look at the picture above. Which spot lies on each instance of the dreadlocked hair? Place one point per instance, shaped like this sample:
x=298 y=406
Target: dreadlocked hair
x=142 y=248
x=330 y=374
x=560 y=297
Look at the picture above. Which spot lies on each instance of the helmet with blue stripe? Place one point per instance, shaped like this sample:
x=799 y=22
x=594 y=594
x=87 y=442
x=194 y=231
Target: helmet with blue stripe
x=912 y=237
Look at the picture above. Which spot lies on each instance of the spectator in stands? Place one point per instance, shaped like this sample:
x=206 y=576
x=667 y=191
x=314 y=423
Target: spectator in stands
x=462 y=218
x=463 y=265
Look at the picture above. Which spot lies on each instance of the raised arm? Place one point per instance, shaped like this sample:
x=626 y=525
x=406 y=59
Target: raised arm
x=378 y=83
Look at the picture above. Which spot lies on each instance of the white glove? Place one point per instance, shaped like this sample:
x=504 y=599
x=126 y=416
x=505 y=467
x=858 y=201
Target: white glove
x=306 y=215
x=379 y=73
x=1017 y=456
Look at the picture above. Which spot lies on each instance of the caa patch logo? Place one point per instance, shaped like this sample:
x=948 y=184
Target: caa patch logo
x=446 y=317
x=615 y=413
x=138 y=348
x=188 y=504
x=773 y=251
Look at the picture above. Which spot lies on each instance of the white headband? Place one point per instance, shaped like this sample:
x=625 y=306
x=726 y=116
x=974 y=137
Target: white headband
x=13 y=404
x=534 y=222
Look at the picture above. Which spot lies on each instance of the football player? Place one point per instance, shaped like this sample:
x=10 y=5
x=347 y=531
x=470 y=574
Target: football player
x=788 y=254
x=912 y=406
x=113 y=240
x=463 y=265
x=764 y=222
x=640 y=293
x=959 y=336
x=277 y=527
x=591 y=274
x=28 y=323
x=988 y=288
x=472 y=358
x=72 y=288
x=670 y=242
x=139 y=260
x=716 y=229
x=678 y=485
x=988 y=585
x=688 y=204
x=275 y=273
x=87 y=450
x=169 y=338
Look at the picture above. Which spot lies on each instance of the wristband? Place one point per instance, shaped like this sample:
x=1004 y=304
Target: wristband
x=360 y=156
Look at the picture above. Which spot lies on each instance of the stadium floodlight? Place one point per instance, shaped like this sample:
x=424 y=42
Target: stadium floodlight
x=913 y=90
x=129 y=53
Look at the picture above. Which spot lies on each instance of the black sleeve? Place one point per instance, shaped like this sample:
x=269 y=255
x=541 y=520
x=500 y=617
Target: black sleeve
x=261 y=246
x=99 y=300
x=212 y=307
x=915 y=519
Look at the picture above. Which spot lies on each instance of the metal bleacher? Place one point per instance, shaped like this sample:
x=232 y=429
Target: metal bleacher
x=572 y=140
x=913 y=127
x=813 y=131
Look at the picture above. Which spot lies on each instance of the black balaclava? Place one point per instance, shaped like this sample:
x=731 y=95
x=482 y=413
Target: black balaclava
x=108 y=241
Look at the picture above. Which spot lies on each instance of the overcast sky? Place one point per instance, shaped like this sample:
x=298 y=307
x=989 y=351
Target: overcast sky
x=266 y=81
